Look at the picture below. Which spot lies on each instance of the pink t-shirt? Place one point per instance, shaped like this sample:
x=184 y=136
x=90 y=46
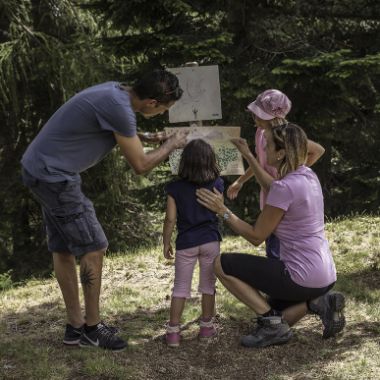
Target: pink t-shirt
x=260 y=143
x=303 y=246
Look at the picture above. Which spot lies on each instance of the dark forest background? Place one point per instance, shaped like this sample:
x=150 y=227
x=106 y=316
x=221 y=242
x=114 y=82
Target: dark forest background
x=324 y=54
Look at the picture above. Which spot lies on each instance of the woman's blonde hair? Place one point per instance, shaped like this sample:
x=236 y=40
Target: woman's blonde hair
x=293 y=140
x=277 y=121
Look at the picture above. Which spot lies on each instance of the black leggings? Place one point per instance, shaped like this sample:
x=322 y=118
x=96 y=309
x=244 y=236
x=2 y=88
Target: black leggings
x=271 y=277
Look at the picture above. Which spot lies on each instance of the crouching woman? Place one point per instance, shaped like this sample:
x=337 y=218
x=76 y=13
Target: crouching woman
x=300 y=281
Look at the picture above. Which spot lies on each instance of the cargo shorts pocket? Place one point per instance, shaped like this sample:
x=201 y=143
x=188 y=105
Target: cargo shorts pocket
x=73 y=224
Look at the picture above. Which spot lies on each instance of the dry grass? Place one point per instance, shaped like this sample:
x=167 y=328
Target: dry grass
x=136 y=296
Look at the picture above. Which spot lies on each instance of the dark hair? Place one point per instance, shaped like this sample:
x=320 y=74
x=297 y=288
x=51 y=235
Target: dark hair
x=160 y=85
x=292 y=138
x=198 y=163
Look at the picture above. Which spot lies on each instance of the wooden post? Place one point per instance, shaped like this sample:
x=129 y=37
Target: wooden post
x=196 y=123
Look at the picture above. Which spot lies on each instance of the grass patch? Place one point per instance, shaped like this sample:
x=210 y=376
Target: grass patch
x=136 y=298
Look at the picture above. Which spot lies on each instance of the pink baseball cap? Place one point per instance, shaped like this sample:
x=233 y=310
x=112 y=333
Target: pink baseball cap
x=271 y=104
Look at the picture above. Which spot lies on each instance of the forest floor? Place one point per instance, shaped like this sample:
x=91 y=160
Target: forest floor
x=136 y=299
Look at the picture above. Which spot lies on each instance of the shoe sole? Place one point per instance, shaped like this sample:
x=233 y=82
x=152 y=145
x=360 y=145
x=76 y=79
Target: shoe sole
x=337 y=303
x=71 y=342
x=281 y=340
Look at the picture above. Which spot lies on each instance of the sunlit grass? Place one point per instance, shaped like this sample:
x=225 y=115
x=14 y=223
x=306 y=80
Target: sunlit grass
x=136 y=298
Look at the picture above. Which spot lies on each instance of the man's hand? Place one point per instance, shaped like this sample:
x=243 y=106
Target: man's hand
x=178 y=140
x=152 y=137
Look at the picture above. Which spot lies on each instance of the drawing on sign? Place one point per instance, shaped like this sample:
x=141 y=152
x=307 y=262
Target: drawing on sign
x=201 y=94
x=228 y=157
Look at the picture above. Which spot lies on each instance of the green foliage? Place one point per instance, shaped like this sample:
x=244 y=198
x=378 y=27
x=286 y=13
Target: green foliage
x=164 y=33
x=48 y=51
x=325 y=56
x=6 y=280
x=345 y=91
x=44 y=56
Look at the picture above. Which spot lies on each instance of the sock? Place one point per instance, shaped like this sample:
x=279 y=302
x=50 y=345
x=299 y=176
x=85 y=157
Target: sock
x=90 y=328
x=76 y=328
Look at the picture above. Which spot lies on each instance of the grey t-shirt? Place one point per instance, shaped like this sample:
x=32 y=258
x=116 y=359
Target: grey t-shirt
x=80 y=133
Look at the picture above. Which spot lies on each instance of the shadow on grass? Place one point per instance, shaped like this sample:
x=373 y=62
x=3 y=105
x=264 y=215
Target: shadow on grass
x=224 y=358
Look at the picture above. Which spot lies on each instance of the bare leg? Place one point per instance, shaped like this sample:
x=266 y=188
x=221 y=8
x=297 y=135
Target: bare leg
x=242 y=291
x=91 y=278
x=176 y=309
x=294 y=313
x=66 y=274
x=208 y=306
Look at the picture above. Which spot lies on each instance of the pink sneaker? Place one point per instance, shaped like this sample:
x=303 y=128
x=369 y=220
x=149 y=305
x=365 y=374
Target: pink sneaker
x=207 y=330
x=173 y=336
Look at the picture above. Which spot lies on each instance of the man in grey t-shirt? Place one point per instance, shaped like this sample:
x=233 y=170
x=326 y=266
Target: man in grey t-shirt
x=79 y=134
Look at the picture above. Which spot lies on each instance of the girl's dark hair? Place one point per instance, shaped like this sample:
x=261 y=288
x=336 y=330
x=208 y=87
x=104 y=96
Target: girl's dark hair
x=198 y=163
x=160 y=85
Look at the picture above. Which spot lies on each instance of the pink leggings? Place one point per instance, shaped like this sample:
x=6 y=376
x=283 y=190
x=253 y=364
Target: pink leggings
x=185 y=260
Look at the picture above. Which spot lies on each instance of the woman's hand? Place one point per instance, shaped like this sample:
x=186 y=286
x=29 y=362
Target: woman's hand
x=242 y=146
x=168 y=252
x=233 y=190
x=214 y=201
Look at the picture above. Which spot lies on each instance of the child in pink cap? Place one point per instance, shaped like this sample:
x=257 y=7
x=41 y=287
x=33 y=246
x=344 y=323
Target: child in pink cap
x=269 y=110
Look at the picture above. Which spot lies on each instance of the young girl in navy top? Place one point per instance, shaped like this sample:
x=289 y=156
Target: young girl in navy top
x=198 y=237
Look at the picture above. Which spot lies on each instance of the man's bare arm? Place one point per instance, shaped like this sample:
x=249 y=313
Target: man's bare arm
x=142 y=162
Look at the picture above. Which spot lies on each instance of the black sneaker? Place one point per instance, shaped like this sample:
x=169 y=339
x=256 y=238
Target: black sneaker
x=103 y=337
x=269 y=331
x=72 y=335
x=114 y=329
x=330 y=307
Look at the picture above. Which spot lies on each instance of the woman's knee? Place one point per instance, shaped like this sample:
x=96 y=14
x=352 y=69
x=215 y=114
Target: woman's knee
x=218 y=269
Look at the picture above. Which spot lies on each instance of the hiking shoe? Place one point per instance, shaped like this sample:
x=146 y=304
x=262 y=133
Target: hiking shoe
x=72 y=335
x=103 y=337
x=206 y=330
x=269 y=331
x=330 y=307
x=173 y=336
